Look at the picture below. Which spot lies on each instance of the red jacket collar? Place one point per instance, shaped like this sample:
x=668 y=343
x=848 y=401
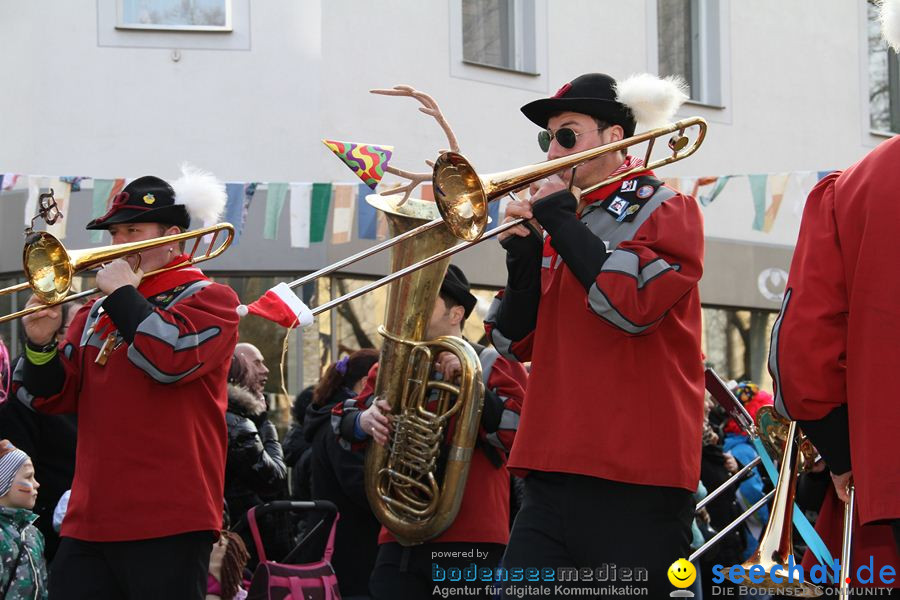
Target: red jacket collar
x=604 y=192
x=167 y=280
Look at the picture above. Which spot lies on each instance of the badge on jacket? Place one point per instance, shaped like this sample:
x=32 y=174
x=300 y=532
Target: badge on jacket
x=632 y=196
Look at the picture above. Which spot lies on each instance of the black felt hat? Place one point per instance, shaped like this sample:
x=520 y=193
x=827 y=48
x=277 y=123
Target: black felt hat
x=147 y=199
x=457 y=287
x=591 y=94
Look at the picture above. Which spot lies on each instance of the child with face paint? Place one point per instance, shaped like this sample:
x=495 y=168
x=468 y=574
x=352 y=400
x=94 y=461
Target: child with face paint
x=23 y=573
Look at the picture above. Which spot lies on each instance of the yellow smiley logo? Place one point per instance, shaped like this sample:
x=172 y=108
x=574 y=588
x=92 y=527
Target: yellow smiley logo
x=149 y=198
x=682 y=573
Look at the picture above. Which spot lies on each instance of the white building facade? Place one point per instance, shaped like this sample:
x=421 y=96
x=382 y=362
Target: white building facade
x=788 y=88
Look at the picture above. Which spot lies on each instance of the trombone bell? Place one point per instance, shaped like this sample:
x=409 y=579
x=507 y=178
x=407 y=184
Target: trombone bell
x=460 y=196
x=50 y=268
x=47 y=267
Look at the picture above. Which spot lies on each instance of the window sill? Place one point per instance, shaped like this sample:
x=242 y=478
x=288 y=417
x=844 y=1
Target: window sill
x=881 y=134
x=499 y=68
x=704 y=104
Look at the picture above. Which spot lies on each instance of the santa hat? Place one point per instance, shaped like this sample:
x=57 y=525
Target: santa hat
x=281 y=305
x=890 y=22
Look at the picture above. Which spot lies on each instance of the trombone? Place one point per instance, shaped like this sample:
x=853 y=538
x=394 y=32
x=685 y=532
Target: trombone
x=50 y=268
x=462 y=198
x=462 y=201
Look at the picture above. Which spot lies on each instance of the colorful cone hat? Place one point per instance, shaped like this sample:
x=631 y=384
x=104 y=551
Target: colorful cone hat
x=368 y=161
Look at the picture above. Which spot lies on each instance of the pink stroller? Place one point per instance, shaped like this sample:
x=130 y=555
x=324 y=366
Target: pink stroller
x=283 y=581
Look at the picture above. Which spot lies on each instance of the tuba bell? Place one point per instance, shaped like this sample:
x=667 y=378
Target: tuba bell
x=415 y=485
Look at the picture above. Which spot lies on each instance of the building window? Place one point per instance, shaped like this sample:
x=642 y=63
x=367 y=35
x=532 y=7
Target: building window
x=500 y=34
x=884 y=78
x=688 y=36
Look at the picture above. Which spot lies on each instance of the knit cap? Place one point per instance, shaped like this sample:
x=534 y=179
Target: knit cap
x=11 y=460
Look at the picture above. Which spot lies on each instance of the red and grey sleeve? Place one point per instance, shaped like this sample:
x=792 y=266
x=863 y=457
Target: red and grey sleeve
x=504 y=393
x=51 y=385
x=633 y=287
x=807 y=355
x=183 y=342
x=344 y=415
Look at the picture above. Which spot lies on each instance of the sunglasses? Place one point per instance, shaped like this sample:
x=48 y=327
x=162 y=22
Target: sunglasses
x=565 y=137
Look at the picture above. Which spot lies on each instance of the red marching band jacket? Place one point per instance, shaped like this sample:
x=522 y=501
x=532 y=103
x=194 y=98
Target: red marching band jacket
x=150 y=459
x=484 y=512
x=616 y=380
x=835 y=344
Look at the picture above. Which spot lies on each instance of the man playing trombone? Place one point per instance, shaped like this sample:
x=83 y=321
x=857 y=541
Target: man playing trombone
x=145 y=369
x=602 y=297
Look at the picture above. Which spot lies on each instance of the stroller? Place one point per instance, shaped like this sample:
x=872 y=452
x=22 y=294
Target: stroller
x=285 y=581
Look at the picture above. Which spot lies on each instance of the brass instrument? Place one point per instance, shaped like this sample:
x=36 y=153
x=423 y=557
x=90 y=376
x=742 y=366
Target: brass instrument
x=462 y=197
x=402 y=482
x=50 y=268
x=771 y=428
x=776 y=544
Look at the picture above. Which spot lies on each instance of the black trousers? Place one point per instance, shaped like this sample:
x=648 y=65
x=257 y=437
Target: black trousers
x=169 y=567
x=614 y=531
x=415 y=572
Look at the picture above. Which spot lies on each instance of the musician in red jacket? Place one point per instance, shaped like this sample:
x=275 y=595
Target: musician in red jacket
x=602 y=297
x=481 y=528
x=145 y=369
x=835 y=345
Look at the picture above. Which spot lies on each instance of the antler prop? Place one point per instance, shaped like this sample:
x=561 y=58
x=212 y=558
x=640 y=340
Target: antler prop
x=431 y=108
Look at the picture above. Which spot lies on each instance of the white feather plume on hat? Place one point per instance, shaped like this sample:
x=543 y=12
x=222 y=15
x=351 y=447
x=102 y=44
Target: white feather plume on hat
x=890 y=22
x=201 y=193
x=653 y=101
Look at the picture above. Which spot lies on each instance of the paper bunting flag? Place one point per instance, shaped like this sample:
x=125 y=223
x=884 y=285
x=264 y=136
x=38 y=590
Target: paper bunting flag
x=300 y=204
x=366 y=217
x=104 y=191
x=344 y=197
x=237 y=206
x=777 y=185
x=275 y=198
x=366 y=160
x=7 y=181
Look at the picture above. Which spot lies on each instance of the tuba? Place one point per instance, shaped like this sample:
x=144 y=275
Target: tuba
x=415 y=485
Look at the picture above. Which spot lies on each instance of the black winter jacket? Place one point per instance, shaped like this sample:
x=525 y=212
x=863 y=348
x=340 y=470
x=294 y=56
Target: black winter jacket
x=338 y=476
x=254 y=468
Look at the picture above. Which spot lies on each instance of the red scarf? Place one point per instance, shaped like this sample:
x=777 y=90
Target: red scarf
x=602 y=193
x=156 y=284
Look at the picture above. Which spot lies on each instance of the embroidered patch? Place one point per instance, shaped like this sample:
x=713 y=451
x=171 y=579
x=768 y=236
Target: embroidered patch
x=630 y=211
x=149 y=198
x=618 y=206
x=644 y=192
x=629 y=186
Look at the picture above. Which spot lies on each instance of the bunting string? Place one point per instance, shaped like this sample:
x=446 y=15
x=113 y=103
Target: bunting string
x=750 y=206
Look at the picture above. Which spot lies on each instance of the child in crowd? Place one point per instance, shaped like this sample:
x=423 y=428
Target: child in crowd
x=23 y=573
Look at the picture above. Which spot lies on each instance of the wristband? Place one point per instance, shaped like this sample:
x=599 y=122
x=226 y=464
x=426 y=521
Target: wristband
x=40 y=355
